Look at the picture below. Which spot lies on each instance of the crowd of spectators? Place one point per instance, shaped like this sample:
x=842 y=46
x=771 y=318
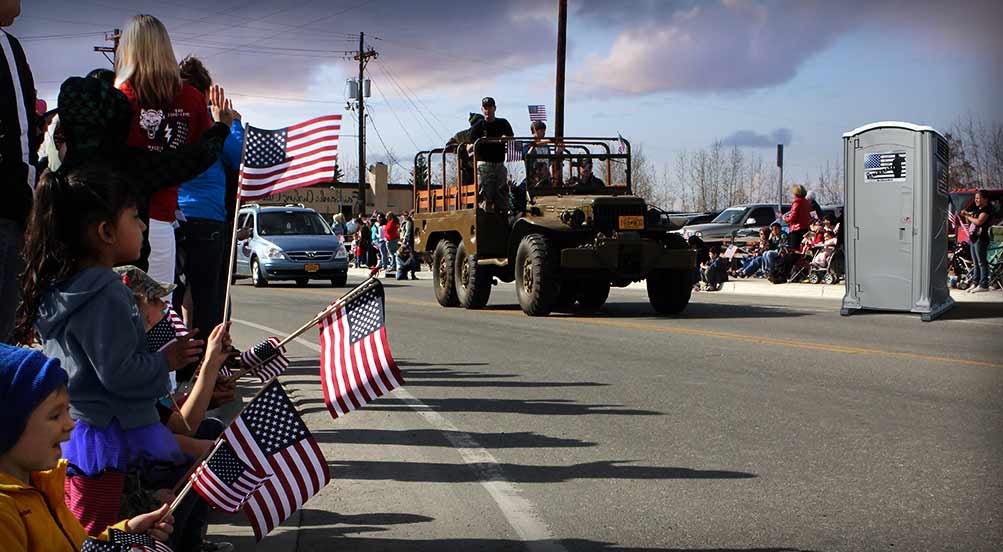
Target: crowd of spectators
x=382 y=242
x=118 y=210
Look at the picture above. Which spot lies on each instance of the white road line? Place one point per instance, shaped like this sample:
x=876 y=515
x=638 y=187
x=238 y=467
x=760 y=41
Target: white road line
x=518 y=510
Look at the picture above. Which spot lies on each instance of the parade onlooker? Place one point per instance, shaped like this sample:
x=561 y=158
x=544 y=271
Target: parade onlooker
x=816 y=209
x=338 y=225
x=391 y=233
x=167 y=114
x=799 y=217
x=379 y=242
x=204 y=231
x=406 y=262
x=979 y=219
x=714 y=272
x=84 y=223
x=34 y=410
x=491 y=173
x=18 y=157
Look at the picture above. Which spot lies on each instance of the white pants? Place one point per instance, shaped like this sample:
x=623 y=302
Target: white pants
x=162 y=252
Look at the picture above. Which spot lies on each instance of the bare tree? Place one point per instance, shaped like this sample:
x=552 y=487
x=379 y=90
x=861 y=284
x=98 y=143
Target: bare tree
x=978 y=148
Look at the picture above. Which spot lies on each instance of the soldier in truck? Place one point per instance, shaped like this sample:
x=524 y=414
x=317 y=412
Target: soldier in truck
x=491 y=172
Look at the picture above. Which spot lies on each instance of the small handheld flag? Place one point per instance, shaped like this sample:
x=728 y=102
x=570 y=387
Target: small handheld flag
x=537 y=113
x=287 y=158
x=355 y=365
x=266 y=359
x=225 y=481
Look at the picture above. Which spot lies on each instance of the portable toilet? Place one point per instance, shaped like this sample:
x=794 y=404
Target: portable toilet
x=896 y=194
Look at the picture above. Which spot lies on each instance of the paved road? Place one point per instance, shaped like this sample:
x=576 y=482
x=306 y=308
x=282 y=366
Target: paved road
x=749 y=423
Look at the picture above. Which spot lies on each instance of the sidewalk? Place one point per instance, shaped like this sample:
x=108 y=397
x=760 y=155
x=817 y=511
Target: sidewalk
x=757 y=286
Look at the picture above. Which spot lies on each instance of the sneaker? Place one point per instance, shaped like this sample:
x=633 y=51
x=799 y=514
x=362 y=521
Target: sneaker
x=220 y=546
x=979 y=289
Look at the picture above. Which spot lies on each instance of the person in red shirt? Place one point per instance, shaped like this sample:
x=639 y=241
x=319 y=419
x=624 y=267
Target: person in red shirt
x=799 y=217
x=392 y=234
x=167 y=114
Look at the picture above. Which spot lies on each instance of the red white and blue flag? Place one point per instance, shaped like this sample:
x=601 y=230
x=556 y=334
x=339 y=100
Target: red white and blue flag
x=225 y=481
x=287 y=158
x=355 y=364
x=538 y=113
x=266 y=359
x=270 y=437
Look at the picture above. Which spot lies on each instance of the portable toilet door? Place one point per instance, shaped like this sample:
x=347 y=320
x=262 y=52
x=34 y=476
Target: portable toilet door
x=882 y=207
x=894 y=198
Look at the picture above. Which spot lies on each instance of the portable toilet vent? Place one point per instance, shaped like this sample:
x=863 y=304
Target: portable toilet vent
x=896 y=194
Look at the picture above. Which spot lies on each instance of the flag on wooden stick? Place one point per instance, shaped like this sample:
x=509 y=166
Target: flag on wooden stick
x=270 y=437
x=287 y=158
x=266 y=359
x=356 y=366
x=225 y=481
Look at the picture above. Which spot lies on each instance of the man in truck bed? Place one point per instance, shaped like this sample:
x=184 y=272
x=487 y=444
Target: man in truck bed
x=491 y=174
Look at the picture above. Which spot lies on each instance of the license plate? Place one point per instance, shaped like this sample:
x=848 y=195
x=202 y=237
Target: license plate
x=632 y=222
x=311 y=267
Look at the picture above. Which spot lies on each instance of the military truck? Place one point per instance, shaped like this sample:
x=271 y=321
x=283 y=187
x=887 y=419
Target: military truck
x=564 y=247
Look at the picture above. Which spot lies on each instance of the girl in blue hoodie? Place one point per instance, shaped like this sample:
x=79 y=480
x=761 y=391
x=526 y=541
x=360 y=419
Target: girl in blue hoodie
x=85 y=222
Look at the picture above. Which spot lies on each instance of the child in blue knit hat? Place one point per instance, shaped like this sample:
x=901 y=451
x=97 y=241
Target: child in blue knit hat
x=34 y=421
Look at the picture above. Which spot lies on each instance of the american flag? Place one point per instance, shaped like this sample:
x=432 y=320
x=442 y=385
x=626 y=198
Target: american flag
x=621 y=146
x=270 y=437
x=513 y=151
x=136 y=541
x=355 y=364
x=885 y=166
x=266 y=359
x=538 y=113
x=287 y=158
x=226 y=482
x=94 y=545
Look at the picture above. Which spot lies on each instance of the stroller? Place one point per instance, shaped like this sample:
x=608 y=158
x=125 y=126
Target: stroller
x=832 y=272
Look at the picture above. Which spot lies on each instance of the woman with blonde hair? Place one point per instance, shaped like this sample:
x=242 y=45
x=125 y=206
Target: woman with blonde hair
x=167 y=115
x=799 y=217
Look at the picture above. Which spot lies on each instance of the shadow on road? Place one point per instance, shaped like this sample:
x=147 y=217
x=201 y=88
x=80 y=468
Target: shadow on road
x=436 y=438
x=430 y=472
x=541 y=407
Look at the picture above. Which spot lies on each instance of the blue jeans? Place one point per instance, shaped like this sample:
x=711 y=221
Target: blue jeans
x=10 y=265
x=769 y=258
x=980 y=261
x=391 y=249
x=752 y=266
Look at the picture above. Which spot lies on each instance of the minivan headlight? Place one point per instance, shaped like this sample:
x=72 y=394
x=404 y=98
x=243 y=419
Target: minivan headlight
x=342 y=252
x=274 y=253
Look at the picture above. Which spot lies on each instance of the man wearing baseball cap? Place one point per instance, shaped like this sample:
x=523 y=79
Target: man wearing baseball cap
x=492 y=177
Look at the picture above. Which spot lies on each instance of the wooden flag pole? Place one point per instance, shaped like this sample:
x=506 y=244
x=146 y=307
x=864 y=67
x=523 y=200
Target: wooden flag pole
x=177 y=408
x=313 y=322
x=232 y=267
x=188 y=484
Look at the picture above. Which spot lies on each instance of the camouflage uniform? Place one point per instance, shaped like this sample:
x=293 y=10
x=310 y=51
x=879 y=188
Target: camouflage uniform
x=492 y=186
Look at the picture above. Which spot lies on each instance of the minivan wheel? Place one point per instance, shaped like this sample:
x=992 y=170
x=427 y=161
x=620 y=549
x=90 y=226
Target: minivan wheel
x=257 y=277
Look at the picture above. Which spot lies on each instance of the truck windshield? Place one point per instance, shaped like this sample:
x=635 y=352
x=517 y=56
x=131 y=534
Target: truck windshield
x=730 y=216
x=292 y=223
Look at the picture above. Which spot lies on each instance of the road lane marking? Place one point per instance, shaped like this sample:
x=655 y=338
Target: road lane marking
x=729 y=336
x=518 y=510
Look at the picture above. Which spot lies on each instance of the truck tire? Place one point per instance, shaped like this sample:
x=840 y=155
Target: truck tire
x=592 y=295
x=442 y=274
x=473 y=283
x=536 y=283
x=669 y=290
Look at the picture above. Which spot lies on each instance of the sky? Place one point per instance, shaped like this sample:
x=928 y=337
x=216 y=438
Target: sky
x=669 y=75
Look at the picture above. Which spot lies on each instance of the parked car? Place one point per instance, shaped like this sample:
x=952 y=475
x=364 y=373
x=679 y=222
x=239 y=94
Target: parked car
x=733 y=219
x=751 y=235
x=289 y=242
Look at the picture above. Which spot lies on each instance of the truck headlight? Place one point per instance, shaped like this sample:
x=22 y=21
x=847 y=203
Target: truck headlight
x=573 y=217
x=698 y=234
x=274 y=253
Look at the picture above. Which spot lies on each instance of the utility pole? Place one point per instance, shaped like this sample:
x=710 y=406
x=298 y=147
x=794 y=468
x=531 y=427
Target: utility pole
x=562 y=35
x=780 y=184
x=363 y=56
x=113 y=37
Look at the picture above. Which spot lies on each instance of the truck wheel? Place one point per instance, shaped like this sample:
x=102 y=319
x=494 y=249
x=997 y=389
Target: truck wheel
x=473 y=283
x=442 y=274
x=536 y=283
x=669 y=290
x=257 y=277
x=592 y=295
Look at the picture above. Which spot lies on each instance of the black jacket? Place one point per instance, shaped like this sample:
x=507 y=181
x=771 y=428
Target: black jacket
x=17 y=131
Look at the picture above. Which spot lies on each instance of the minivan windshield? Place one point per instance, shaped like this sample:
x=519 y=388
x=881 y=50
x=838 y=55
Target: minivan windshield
x=730 y=216
x=292 y=223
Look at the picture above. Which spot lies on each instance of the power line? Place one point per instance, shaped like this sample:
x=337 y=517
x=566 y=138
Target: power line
x=390 y=156
x=413 y=104
x=393 y=74
x=394 y=113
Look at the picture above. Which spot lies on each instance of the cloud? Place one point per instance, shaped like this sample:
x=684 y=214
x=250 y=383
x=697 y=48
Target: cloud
x=753 y=139
x=731 y=45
